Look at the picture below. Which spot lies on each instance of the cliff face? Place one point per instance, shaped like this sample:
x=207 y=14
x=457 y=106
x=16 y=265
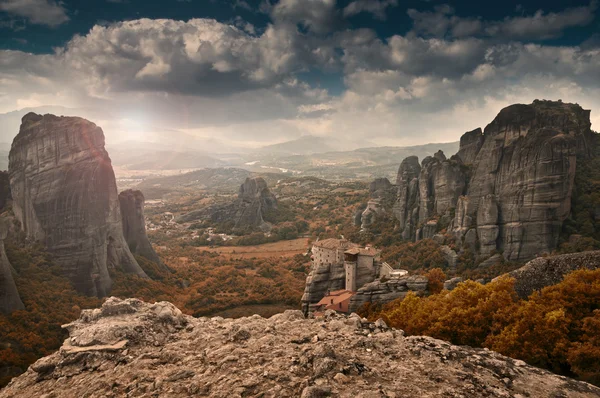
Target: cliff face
x=509 y=187
x=130 y=348
x=9 y=296
x=65 y=195
x=134 y=225
x=247 y=211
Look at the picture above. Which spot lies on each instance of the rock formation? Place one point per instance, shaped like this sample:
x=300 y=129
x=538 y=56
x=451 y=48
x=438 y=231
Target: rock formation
x=547 y=271
x=247 y=211
x=387 y=290
x=9 y=296
x=255 y=199
x=65 y=195
x=381 y=194
x=5 y=194
x=509 y=187
x=134 y=225
x=130 y=348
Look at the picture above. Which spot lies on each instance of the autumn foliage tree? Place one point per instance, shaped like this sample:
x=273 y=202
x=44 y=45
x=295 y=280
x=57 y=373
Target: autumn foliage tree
x=557 y=328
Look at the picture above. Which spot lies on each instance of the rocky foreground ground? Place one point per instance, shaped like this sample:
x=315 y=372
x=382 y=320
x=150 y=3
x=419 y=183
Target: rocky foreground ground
x=129 y=348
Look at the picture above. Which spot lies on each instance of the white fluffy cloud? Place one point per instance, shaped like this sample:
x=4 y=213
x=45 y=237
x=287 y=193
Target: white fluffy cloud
x=41 y=12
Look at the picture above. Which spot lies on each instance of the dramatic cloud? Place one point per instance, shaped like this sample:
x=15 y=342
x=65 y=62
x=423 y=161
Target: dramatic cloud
x=248 y=85
x=40 y=12
x=375 y=7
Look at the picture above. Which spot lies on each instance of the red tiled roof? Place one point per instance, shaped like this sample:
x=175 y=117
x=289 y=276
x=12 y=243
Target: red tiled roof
x=340 y=296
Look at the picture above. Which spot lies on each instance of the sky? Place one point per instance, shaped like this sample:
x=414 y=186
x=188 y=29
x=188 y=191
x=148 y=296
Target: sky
x=233 y=74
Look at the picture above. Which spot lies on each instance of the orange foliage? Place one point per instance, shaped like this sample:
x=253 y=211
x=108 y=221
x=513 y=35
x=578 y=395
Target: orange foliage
x=557 y=328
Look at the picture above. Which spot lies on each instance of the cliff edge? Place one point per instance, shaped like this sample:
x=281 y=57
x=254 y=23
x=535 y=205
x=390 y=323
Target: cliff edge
x=131 y=348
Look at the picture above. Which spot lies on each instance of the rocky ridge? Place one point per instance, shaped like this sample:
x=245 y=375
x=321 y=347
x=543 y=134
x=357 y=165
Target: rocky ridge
x=547 y=271
x=134 y=225
x=131 y=348
x=507 y=190
x=65 y=195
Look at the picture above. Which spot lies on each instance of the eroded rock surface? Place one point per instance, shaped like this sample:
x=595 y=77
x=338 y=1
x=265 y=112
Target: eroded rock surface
x=131 y=348
x=9 y=296
x=65 y=195
x=385 y=291
x=509 y=187
x=134 y=225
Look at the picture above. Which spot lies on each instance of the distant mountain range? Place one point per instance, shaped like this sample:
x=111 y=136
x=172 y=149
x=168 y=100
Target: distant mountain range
x=324 y=157
x=310 y=144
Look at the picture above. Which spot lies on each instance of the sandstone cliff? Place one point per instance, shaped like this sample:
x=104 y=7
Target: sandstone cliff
x=134 y=225
x=65 y=195
x=247 y=211
x=547 y=271
x=130 y=348
x=509 y=187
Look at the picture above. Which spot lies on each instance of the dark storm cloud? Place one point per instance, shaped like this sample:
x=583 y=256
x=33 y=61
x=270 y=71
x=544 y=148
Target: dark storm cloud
x=41 y=12
x=541 y=25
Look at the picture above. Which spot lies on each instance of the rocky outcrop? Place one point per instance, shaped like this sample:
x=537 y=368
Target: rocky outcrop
x=509 y=187
x=5 y=194
x=130 y=348
x=134 y=226
x=451 y=284
x=387 y=290
x=470 y=144
x=406 y=207
x=547 y=271
x=65 y=195
x=381 y=195
x=428 y=192
x=379 y=187
x=9 y=296
x=247 y=211
x=322 y=278
x=255 y=199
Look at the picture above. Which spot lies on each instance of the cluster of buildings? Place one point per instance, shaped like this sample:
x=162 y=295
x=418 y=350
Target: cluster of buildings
x=339 y=269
